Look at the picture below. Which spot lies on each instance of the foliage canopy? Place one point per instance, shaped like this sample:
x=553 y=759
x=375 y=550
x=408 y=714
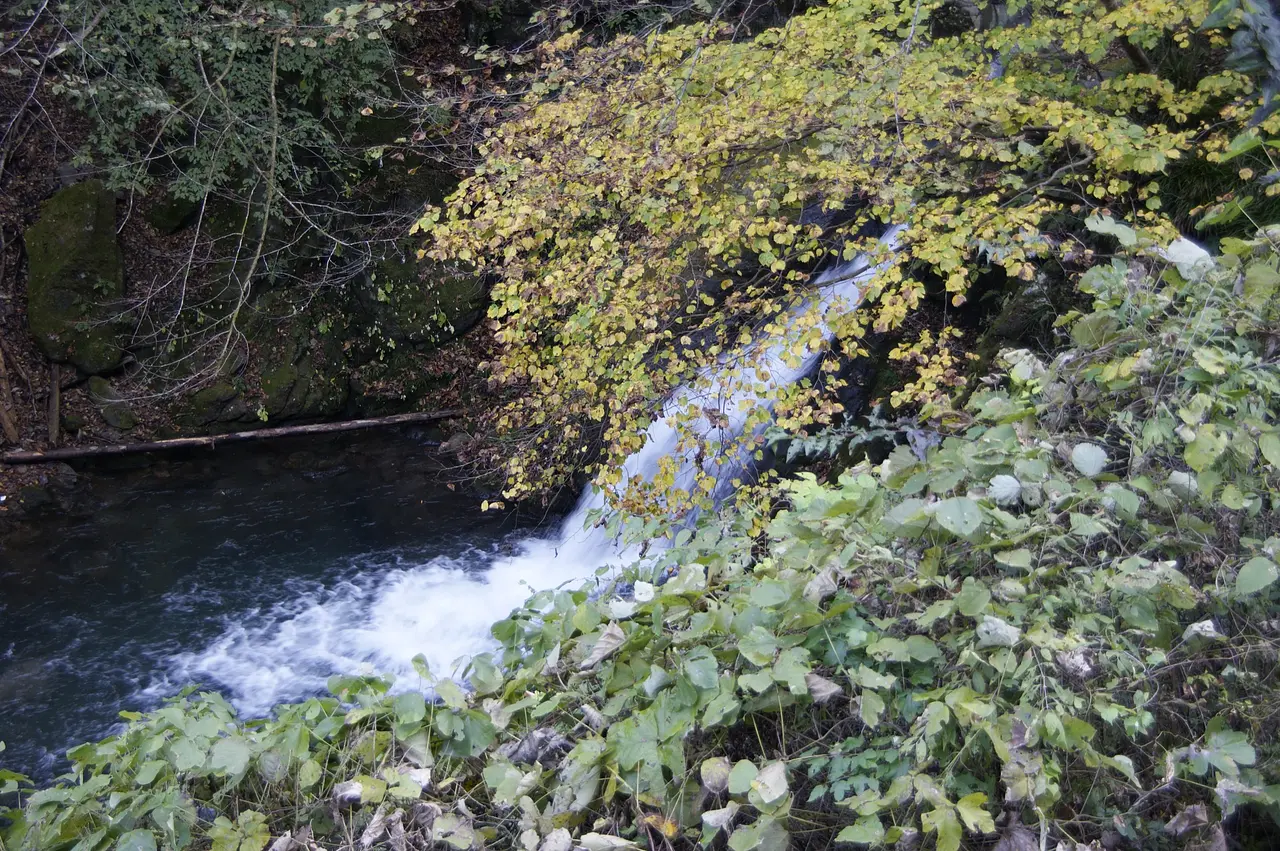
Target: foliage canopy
x=659 y=197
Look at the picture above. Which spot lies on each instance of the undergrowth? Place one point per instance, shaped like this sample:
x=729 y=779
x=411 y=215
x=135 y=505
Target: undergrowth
x=1057 y=626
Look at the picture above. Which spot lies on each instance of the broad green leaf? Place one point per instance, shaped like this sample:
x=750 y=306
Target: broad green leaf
x=148 y=771
x=973 y=598
x=740 y=777
x=1256 y=574
x=973 y=811
x=870 y=707
x=759 y=646
x=1126 y=235
x=770 y=593
x=1269 y=444
x=864 y=677
x=922 y=649
x=410 y=708
x=943 y=821
x=451 y=693
x=309 y=774
x=770 y=784
x=701 y=668
x=1019 y=558
x=186 y=755
x=137 y=840
x=230 y=755
x=867 y=831
x=959 y=515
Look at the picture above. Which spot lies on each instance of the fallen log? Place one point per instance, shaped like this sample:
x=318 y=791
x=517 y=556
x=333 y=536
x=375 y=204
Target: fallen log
x=72 y=453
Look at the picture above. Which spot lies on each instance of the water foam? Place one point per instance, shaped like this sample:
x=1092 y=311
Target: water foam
x=381 y=617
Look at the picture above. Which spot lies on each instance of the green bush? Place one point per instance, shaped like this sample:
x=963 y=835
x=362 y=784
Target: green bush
x=1058 y=622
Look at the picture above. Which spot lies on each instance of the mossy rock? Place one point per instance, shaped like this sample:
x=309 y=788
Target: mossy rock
x=111 y=405
x=170 y=215
x=421 y=303
x=76 y=279
x=219 y=407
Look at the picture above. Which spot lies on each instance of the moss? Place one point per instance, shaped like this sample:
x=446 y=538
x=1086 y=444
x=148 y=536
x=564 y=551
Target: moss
x=115 y=411
x=423 y=304
x=76 y=278
x=170 y=215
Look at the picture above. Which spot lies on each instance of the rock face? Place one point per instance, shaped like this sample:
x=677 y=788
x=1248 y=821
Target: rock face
x=76 y=274
x=420 y=303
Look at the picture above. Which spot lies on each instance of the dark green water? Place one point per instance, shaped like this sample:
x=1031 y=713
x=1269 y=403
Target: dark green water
x=256 y=571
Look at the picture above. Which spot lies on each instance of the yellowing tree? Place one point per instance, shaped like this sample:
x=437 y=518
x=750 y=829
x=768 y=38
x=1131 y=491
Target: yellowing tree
x=649 y=208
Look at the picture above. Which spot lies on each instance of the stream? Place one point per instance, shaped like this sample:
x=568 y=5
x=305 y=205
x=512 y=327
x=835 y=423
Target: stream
x=258 y=571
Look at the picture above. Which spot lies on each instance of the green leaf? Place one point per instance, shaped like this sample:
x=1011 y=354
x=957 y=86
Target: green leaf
x=410 y=708
x=770 y=785
x=701 y=668
x=870 y=707
x=867 y=831
x=867 y=678
x=186 y=755
x=1019 y=558
x=1257 y=574
x=1230 y=748
x=1231 y=498
x=1106 y=225
x=973 y=598
x=770 y=593
x=148 y=771
x=759 y=646
x=137 y=840
x=485 y=677
x=922 y=649
x=740 y=777
x=959 y=515
x=230 y=755
x=973 y=811
x=767 y=834
x=790 y=669
x=451 y=693
x=309 y=774
x=1270 y=446
x=943 y=821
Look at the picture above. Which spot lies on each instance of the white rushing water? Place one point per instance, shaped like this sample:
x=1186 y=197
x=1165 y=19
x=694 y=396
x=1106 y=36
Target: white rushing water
x=385 y=614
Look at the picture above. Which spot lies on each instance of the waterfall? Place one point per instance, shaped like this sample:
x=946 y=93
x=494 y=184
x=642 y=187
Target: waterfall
x=384 y=614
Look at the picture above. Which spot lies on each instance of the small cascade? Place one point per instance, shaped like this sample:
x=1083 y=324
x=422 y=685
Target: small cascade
x=383 y=615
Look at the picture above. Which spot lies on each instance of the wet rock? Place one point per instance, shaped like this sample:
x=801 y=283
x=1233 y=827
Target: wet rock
x=76 y=279
x=111 y=404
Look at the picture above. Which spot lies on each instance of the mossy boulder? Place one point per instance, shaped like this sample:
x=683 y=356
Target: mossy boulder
x=420 y=303
x=111 y=405
x=76 y=279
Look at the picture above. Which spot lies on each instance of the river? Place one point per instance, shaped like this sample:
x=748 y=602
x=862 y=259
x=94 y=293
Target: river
x=258 y=571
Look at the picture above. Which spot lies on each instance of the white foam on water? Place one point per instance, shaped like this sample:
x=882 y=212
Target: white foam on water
x=378 y=621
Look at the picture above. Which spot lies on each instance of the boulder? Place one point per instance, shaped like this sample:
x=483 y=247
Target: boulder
x=76 y=278
x=111 y=405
